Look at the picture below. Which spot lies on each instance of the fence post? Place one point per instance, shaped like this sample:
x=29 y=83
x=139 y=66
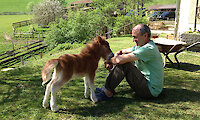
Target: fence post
x=41 y=55
x=32 y=35
x=22 y=60
x=39 y=36
x=27 y=43
x=124 y=30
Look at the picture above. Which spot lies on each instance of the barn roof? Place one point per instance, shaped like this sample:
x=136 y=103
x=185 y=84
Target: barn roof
x=81 y=1
x=159 y=7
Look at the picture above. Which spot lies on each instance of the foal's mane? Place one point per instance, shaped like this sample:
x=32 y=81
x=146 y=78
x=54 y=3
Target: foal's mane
x=91 y=48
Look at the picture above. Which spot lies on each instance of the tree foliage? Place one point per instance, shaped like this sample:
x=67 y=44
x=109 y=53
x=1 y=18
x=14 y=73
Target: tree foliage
x=82 y=26
x=79 y=28
x=47 y=11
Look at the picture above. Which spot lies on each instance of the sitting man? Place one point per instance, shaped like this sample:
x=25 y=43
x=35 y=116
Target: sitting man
x=141 y=65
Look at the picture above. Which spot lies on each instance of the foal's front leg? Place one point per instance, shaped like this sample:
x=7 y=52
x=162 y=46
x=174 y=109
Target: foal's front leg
x=91 y=84
x=86 y=93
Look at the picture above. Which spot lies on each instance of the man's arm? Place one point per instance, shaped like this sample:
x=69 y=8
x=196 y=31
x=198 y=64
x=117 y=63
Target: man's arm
x=123 y=51
x=124 y=58
x=121 y=57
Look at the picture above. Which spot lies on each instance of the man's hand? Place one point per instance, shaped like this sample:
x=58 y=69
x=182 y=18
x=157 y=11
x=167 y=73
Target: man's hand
x=118 y=53
x=108 y=65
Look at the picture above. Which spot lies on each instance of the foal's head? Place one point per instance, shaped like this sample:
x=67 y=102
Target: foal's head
x=104 y=50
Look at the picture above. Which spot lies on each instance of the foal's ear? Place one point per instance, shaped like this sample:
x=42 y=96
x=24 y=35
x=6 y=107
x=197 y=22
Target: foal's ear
x=98 y=39
x=101 y=39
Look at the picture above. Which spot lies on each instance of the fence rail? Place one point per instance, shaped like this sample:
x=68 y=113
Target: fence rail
x=14 y=56
x=22 y=23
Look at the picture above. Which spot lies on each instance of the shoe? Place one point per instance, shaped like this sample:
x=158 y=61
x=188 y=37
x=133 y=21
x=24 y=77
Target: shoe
x=100 y=90
x=102 y=96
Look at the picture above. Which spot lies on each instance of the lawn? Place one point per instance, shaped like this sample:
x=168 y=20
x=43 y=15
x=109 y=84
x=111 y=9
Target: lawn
x=15 y=5
x=6 y=26
x=20 y=5
x=22 y=93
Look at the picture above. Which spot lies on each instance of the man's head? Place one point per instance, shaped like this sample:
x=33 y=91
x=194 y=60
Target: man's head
x=141 y=34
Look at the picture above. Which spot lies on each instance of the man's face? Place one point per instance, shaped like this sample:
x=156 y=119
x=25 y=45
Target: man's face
x=137 y=37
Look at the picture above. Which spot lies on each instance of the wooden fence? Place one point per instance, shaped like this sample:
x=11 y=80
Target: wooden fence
x=33 y=44
x=9 y=58
x=22 y=35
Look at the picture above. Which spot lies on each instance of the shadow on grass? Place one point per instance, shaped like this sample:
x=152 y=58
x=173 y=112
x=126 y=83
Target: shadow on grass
x=121 y=101
x=25 y=87
x=20 y=83
x=117 y=105
x=172 y=95
x=184 y=66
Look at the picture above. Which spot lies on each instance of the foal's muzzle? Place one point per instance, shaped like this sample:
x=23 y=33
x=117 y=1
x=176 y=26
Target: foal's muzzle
x=110 y=56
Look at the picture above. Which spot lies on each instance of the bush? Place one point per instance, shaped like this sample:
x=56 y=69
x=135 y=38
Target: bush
x=82 y=26
x=56 y=34
x=47 y=11
x=79 y=28
x=128 y=22
x=66 y=46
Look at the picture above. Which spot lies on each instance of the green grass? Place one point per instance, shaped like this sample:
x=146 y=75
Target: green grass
x=6 y=26
x=21 y=92
x=19 y=5
x=160 y=2
x=15 y=5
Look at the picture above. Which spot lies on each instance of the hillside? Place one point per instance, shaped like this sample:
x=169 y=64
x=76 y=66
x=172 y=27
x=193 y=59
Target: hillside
x=21 y=5
x=15 y=5
x=160 y=2
x=18 y=5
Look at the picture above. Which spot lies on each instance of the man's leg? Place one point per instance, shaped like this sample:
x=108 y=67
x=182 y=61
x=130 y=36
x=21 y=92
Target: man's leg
x=134 y=77
x=114 y=78
x=137 y=81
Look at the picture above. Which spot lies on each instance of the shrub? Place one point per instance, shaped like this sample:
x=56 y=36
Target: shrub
x=56 y=34
x=79 y=28
x=66 y=46
x=47 y=11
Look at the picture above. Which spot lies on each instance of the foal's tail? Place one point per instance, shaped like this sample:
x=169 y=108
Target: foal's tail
x=47 y=70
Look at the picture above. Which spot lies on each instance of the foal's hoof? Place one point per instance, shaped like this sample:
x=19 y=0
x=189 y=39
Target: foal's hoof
x=55 y=109
x=94 y=100
x=45 y=106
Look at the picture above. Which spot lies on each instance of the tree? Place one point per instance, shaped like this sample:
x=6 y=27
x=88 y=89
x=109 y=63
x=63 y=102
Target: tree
x=82 y=26
x=47 y=11
x=106 y=8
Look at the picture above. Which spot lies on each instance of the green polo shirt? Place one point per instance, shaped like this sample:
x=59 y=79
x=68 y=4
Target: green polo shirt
x=150 y=64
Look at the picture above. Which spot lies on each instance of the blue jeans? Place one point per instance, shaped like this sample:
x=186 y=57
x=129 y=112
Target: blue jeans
x=133 y=76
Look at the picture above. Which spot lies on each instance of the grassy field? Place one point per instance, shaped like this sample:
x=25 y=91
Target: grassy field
x=6 y=26
x=19 y=5
x=161 y=2
x=22 y=93
x=15 y=5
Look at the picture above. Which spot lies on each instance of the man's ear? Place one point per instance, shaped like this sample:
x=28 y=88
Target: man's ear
x=145 y=35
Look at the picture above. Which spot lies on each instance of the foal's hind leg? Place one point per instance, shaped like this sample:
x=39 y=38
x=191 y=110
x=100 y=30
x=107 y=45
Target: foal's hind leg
x=45 y=102
x=54 y=88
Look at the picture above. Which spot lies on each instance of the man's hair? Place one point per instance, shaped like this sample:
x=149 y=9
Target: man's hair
x=145 y=29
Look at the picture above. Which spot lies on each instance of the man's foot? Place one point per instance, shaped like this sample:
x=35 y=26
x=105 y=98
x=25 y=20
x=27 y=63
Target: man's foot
x=102 y=96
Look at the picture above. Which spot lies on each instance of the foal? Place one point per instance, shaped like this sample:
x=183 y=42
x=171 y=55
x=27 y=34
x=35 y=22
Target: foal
x=69 y=65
